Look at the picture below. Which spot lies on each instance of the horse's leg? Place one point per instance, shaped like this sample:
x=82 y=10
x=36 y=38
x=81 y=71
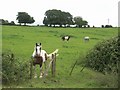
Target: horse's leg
x=45 y=65
x=41 y=73
x=46 y=71
x=35 y=74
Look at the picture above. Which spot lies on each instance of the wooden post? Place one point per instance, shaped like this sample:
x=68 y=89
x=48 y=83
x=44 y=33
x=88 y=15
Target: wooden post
x=53 y=64
x=12 y=57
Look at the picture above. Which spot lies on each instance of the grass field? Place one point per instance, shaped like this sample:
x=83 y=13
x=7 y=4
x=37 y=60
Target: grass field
x=21 y=40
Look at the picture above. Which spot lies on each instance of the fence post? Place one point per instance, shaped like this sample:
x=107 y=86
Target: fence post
x=12 y=56
x=53 y=65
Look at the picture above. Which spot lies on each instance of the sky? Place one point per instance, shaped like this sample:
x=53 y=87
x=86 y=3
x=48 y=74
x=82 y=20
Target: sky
x=96 y=12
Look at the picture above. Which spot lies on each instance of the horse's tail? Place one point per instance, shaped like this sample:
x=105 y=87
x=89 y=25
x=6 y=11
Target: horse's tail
x=54 y=52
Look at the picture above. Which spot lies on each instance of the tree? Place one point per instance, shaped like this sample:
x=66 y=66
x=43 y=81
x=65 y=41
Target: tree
x=6 y=22
x=80 y=22
x=102 y=26
x=45 y=21
x=108 y=26
x=25 y=18
x=57 y=17
x=84 y=23
x=67 y=18
x=12 y=23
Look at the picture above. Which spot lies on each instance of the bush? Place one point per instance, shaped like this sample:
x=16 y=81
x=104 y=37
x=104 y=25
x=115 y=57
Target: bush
x=104 y=56
x=13 y=70
x=108 y=26
x=102 y=26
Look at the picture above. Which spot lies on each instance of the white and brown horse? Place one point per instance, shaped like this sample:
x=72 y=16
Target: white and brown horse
x=40 y=56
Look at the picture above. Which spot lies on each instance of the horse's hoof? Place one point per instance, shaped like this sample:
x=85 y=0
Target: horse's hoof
x=40 y=76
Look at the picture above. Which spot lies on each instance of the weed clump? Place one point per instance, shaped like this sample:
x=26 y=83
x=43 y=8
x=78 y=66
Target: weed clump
x=12 y=69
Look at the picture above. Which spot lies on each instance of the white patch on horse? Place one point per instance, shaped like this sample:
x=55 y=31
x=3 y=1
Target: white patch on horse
x=43 y=52
x=37 y=50
x=66 y=37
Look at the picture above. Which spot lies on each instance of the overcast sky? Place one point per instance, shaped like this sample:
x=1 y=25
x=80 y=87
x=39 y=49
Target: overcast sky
x=96 y=12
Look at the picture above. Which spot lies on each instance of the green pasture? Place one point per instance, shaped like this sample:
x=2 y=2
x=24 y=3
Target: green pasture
x=21 y=40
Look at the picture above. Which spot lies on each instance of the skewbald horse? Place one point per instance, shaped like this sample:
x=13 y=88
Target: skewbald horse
x=65 y=38
x=40 y=56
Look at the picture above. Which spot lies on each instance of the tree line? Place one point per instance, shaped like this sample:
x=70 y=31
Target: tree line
x=6 y=22
x=52 y=18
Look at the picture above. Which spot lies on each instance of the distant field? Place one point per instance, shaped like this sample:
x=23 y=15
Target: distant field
x=21 y=40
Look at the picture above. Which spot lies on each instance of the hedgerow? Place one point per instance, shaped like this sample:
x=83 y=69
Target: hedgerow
x=13 y=70
x=104 y=56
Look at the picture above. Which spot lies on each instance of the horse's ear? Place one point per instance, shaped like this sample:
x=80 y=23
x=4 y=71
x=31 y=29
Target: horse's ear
x=40 y=43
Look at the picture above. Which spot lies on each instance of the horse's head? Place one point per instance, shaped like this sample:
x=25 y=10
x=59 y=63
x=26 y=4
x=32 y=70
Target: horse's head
x=38 y=48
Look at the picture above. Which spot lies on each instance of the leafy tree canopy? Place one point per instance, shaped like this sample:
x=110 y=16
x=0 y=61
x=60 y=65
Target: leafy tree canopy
x=25 y=18
x=57 y=17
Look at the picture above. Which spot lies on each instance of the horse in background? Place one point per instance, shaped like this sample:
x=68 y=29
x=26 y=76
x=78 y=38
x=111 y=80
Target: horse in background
x=40 y=56
x=65 y=38
x=86 y=38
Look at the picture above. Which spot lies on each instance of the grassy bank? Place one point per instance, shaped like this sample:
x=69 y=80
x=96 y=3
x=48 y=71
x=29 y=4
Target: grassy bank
x=21 y=40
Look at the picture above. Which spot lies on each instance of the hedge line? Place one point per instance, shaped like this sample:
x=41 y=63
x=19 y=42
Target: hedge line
x=104 y=57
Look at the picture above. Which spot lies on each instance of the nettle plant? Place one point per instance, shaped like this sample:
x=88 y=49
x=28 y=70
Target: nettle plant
x=13 y=70
x=104 y=56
